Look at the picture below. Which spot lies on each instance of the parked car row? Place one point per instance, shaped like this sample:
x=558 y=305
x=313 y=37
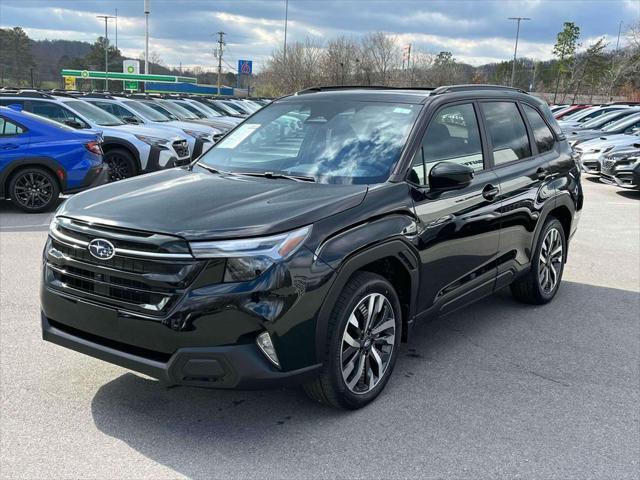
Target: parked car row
x=605 y=140
x=137 y=133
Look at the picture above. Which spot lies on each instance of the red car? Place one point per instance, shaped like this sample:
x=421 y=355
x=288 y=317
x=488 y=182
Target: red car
x=569 y=110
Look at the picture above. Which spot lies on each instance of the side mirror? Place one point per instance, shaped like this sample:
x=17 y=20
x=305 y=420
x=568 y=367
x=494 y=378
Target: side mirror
x=131 y=120
x=449 y=176
x=73 y=124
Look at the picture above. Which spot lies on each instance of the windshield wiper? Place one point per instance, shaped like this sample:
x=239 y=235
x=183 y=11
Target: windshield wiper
x=295 y=178
x=212 y=169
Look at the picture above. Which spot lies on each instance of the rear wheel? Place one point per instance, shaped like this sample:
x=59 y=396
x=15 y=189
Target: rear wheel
x=34 y=190
x=121 y=164
x=541 y=283
x=363 y=337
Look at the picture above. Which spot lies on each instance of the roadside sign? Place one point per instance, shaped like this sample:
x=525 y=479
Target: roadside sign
x=131 y=67
x=245 y=67
x=70 y=83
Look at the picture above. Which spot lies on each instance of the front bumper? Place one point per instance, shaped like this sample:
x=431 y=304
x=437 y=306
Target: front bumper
x=233 y=366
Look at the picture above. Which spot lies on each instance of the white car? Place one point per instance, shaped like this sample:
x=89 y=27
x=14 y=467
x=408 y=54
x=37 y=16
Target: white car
x=199 y=137
x=590 y=153
x=581 y=117
x=129 y=150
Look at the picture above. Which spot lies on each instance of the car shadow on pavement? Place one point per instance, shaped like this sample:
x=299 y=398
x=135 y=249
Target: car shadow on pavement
x=633 y=194
x=496 y=344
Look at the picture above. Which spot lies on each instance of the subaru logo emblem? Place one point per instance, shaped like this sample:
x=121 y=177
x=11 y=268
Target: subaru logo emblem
x=101 y=249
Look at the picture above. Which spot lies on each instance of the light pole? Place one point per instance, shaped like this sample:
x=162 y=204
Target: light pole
x=515 y=52
x=106 y=49
x=286 y=20
x=147 y=11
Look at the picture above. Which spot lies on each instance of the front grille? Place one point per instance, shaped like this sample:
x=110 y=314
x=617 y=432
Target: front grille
x=148 y=279
x=181 y=148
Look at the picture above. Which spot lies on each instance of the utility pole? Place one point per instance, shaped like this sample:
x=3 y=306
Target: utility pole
x=286 y=20
x=515 y=52
x=147 y=11
x=116 y=29
x=106 y=49
x=613 y=63
x=219 y=55
x=532 y=87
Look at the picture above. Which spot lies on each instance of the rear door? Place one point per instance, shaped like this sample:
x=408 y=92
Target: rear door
x=14 y=141
x=521 y=147
x=458 y=230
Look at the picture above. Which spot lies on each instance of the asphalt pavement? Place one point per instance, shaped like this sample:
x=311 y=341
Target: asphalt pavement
x=497 y=390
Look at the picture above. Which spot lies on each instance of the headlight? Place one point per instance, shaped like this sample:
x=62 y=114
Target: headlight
x=249 y=258
x=153 y=141
x=205 y=137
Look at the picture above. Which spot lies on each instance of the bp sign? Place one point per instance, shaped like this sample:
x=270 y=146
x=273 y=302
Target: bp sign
x=131 y=67
x=84 y=74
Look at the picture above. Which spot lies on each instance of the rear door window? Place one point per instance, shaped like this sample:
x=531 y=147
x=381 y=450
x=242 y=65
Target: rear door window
x=507 y=132
x=541 y=133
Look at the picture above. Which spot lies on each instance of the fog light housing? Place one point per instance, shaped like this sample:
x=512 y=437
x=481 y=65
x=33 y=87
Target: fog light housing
x=264 y=343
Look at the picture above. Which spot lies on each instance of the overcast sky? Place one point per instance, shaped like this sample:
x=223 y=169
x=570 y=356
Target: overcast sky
x=476 y=32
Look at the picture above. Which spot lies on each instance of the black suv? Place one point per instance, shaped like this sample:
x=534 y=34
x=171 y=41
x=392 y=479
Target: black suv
x=306 y=243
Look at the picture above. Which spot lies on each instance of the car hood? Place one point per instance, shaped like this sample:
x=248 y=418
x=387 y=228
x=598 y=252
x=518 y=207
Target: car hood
x=143 y=130
x=196 y=127
x=606 y=140
x=198 y=205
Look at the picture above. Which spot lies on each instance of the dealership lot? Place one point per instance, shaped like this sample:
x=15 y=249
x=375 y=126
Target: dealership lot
x=496 y=390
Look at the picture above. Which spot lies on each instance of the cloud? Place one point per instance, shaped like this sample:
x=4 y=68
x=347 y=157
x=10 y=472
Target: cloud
x=184 y=31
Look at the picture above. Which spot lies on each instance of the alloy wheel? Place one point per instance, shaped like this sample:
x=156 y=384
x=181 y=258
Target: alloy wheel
x=367 y=343
x=550 y=261
x=33 y=190
x=119 y=168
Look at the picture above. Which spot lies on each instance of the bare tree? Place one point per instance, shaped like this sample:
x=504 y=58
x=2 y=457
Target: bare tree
x=382 y=53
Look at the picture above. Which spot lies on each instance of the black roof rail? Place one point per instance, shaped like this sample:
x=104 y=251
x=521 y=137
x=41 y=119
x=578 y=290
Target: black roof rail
x=359 y=87
x=98 y=95
x=472 y=87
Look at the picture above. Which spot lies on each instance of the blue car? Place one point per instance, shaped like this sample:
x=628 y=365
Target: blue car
x=39 y=159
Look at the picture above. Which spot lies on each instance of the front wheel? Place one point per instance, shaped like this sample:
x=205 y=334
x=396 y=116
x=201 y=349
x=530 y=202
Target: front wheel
x=541 y=283
x=121 y=164
x=361 y=348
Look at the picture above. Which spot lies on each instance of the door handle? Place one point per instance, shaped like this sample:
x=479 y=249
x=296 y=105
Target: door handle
x=490 y=192
x=10 y=146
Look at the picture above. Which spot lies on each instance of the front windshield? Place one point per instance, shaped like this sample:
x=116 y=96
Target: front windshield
x=160 y=109
x=334 y=142
x=603 y=120
x=621 y=124
x=193 y=112
x=178 y=111
x=146 y=111
x=234 y=110
x=210 y=112
x=93 y=113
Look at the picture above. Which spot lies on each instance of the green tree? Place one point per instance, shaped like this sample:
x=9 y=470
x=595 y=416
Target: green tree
x=16 y=58
x=564 y=50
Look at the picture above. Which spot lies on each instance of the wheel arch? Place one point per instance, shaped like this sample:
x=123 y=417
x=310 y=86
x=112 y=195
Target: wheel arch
x=393 y=260
x=564 y=210
x=46 y=163
x=113 y=143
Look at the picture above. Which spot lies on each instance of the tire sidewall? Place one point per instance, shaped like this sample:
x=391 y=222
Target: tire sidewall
x=548 y=296
x=376 y=285
x=55 y=193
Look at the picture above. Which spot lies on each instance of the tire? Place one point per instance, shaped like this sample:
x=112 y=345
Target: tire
x=34 y=190
x=541 y=284
x=121 y=164
x=362 y=363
